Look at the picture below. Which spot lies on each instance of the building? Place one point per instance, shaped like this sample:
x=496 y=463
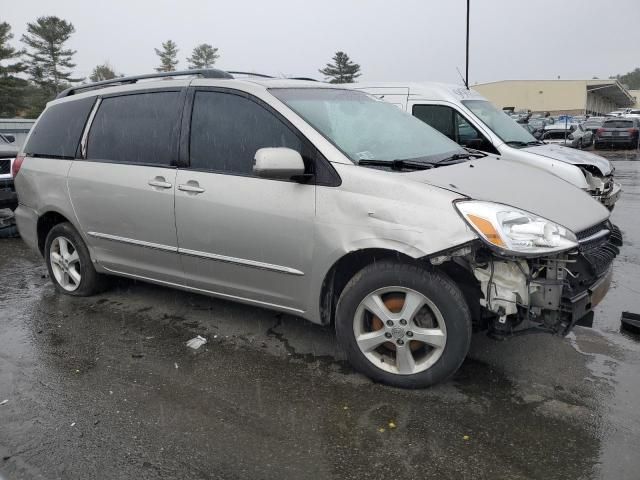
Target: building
x=573 y=97
x=18 y=127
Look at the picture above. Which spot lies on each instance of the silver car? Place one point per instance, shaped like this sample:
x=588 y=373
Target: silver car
x=313 y=200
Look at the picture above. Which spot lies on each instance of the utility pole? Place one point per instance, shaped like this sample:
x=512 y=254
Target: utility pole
x=466 y=78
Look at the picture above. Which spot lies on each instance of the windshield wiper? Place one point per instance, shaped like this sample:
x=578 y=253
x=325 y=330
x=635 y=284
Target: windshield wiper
x=517 y=143
x=461 y=156
x=398 y=164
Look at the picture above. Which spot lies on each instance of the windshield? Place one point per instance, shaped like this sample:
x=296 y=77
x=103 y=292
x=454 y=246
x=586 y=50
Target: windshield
x=502 y=125
x=364 y=128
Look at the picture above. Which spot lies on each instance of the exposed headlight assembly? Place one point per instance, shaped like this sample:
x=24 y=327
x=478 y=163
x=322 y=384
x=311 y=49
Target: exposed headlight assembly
x=515 y=231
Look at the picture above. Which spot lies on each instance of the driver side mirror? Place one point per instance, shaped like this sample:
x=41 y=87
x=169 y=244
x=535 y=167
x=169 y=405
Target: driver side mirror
x=278 y=163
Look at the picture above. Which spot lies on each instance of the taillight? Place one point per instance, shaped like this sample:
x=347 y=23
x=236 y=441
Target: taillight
x=599 y=131
x=17 y=163
x=633 y=131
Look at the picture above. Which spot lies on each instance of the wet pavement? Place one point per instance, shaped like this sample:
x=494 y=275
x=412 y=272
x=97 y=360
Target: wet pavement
x=104 y=387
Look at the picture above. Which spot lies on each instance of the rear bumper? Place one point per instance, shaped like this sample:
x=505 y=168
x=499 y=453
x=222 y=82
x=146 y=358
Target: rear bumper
x=27 y=222
x=616 y=140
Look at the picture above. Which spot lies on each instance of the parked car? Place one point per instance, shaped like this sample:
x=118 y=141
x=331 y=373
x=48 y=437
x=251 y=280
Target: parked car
x=592 y=124
x=533 y=130
x=572 y=135
x=621 y=132
x=445 y=106
x=618 y=113
x=635 y=113
x=8 y=152
x=313 y=200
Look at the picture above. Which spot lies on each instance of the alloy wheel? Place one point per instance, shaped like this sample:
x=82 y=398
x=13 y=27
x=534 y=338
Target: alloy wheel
x=65 y=263
x=400 y=330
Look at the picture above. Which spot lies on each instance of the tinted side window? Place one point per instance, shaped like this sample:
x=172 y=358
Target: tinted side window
x=437 y=116
x=141 y=128
x=58 y=132
x=227 y=130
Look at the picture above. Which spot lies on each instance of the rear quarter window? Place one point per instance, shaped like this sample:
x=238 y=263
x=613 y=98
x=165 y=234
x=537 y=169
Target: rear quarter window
x=58 y=131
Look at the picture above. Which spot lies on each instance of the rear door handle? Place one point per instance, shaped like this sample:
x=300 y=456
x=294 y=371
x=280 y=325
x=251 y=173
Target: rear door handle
x=159 y=182
x=191 y=186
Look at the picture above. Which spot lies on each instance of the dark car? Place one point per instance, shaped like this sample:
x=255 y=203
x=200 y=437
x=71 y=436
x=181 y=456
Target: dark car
x=8 y=152
x=620 y=132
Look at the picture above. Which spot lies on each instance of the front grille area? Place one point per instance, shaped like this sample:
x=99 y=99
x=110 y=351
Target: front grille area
x=5 y=166
x=594 y=257
x=593 y=230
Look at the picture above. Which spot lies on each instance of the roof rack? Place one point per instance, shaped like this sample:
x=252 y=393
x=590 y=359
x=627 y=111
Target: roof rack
x=262 y=75
x=205 y=73
x=252 y=74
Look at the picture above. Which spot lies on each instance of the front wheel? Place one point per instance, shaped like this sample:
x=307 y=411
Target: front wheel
x=403 y=325
x=69 y=263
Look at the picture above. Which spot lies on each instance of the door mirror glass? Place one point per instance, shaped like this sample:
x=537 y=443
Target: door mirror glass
x=278 y=163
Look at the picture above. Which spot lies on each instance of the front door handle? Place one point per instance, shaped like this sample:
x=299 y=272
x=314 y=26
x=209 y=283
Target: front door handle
x=191 y=187
x=159 y=182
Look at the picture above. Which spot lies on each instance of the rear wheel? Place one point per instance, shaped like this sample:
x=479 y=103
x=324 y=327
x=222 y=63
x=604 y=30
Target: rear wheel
x=69 y=262
x=403 y=325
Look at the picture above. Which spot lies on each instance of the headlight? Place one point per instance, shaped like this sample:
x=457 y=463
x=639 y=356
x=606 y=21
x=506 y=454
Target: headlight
x=515 y=231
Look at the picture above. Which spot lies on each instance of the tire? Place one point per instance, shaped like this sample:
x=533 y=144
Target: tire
x=444 y=319
x=82 y=280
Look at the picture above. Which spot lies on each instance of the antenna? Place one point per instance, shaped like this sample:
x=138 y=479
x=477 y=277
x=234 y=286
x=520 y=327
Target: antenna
x=466 y=79
x=462 y=78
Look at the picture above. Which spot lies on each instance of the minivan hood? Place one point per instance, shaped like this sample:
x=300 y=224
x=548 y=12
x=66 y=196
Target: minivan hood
x=512 y=183
x=572 y=156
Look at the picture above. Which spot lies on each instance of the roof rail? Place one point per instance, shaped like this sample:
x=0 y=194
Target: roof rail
x=205 y=73
x=253 y=74
x=262 y=75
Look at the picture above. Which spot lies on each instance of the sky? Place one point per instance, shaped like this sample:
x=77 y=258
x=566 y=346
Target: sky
x=401 y=40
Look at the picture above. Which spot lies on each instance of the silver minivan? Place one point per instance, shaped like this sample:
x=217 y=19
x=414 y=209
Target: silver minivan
x=314 y=200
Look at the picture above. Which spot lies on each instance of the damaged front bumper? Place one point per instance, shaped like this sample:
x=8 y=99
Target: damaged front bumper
x=609 y=198
x=552 y=293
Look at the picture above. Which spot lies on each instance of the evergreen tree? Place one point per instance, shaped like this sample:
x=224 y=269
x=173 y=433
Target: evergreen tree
x=168 y=56
x=49 y=63
x=103 y=72
x=12 y=88
x=203 y=56
x=342 y=70
x=630 y=79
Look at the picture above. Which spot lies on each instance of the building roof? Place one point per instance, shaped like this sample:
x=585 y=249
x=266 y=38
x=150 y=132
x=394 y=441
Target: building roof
x=611 y=88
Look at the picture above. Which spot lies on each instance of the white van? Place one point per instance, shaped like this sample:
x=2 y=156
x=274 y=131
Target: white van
x=471 y=120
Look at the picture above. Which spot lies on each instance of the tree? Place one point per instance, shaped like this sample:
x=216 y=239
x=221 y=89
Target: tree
x=203 y=56
x=49 y=63
x=342 y=70
x=168 y=56
x=630 y=79
x=12 y=88
x=103 y=72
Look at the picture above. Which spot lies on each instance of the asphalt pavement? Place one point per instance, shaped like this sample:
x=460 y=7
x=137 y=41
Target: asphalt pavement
x=105 y=387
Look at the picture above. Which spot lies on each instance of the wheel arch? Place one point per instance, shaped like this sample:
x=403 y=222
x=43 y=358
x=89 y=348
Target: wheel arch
x=46 y=222
x=343 y=269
